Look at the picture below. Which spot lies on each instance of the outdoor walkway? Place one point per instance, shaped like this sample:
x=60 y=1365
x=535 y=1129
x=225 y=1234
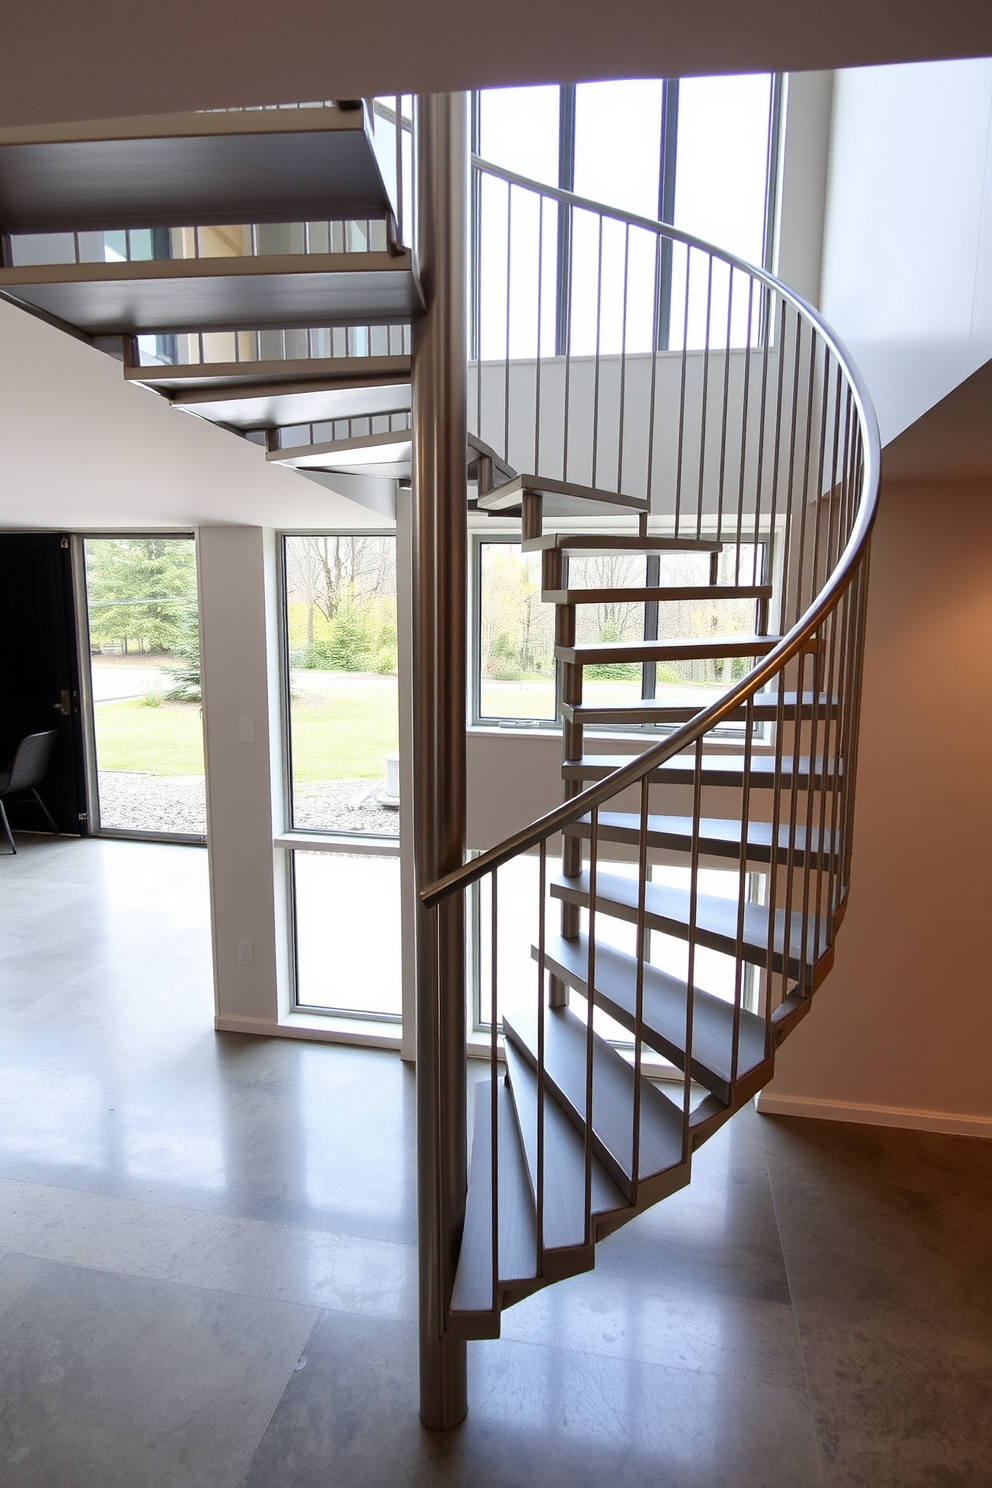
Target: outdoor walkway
x=207 y=1262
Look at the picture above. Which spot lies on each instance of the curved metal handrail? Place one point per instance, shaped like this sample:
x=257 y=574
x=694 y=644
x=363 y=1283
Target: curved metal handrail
x=789 y=647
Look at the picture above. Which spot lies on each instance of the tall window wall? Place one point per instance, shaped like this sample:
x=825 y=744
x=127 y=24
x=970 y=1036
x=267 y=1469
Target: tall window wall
x=341 y=700
x=699 y=153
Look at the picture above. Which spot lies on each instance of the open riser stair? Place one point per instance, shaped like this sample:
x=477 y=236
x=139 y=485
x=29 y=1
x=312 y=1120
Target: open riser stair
x=690 y=468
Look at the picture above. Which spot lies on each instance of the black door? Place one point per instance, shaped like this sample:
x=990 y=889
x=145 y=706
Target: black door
x=39 y=672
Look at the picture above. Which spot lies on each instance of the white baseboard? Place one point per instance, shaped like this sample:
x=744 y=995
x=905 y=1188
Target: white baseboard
x=949 y=1122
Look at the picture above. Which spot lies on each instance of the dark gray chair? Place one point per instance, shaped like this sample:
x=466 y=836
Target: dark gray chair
x=25 y=773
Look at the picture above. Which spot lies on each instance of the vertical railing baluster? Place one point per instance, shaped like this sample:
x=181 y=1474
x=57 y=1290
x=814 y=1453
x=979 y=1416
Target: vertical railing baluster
x=641 y=954
x=704 y=398
x=494 y=1086
x=680 y=444
x=653 y=381
x=693 y=918
x=722 y=463
x=742 y=889
x=590 y=1002
x=537 y=358
x=596 y=372
x=745 y=415
x=506 y=360
x=623 y=356
x=541 y=1031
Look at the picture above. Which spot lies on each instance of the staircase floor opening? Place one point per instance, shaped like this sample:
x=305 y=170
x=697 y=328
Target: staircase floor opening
x=208 y=1266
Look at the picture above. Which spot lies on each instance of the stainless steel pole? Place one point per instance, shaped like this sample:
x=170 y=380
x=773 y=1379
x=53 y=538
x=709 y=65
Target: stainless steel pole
x=439 y=669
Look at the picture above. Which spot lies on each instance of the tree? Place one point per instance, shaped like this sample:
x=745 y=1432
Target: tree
x=140 y=591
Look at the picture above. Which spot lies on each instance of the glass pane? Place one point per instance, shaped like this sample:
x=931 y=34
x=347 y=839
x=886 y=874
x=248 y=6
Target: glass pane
x=694 y=683
x=618 y=144
x=518 y=129
x=516 y=636
x=348 y=932
x=344 y=727
x=145 y=683
x=722 y=161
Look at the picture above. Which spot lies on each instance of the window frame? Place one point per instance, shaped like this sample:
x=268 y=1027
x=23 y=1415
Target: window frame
x=293 y=839
x=728 y=732
x=94 y=824
x=667 y=176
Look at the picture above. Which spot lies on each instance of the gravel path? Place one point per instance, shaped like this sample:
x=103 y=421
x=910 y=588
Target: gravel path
x=152 y=803
x=177 y=803
x=341 y=806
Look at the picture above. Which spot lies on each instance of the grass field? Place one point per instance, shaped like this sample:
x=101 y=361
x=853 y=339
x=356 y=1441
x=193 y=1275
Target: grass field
x=343 y=729
x=167 y=740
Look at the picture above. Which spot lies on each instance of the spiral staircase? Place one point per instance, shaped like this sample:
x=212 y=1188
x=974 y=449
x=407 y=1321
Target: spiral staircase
x=631 y=393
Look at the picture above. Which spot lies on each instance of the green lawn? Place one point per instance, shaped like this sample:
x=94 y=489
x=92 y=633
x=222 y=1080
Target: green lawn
x=344 y=733
x=167 y=740
x=342 y=730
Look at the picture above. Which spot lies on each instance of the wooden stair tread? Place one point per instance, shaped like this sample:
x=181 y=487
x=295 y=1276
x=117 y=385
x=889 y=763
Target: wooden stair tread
x=717 y=769
x=564 y=1162
x=656 y=594
x=719 y=836
x=667 y=910
x=765 y=709
x=663 y=1010
x=278 y=292
x=472 y=1296
x=565 y=1053
x=676 y=648
x=509 y=496
x=602 y=544
x=224 y=166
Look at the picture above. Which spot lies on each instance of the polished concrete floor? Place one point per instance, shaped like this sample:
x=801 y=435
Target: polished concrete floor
x=207 y=1265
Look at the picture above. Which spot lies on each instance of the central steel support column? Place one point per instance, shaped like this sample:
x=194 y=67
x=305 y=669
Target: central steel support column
x=439 y=663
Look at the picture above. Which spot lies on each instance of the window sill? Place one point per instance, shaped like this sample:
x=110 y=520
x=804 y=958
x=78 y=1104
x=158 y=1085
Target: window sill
x=339 y=842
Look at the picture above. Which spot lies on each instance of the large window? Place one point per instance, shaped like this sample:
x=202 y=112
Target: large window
x=514 y=662
x=339 y=623
x=146 y=731
x=699 y=153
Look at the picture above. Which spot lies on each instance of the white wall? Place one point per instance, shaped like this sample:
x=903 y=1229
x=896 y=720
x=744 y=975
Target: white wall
x=907 y=268
x=803 y=186
x=82 y=449
x=66 y=60
x=901 y=1032
x=236 y=571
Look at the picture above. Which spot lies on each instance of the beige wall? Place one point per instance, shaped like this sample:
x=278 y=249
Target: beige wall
x=902 y=1031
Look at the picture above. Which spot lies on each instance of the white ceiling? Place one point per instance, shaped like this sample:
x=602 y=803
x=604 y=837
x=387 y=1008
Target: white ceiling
x=77 y=59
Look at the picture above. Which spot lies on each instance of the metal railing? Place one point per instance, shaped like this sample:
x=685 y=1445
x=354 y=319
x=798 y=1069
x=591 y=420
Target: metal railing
x=168 y=244
x=326 y=431
x=315 y=343
x=647 y=363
